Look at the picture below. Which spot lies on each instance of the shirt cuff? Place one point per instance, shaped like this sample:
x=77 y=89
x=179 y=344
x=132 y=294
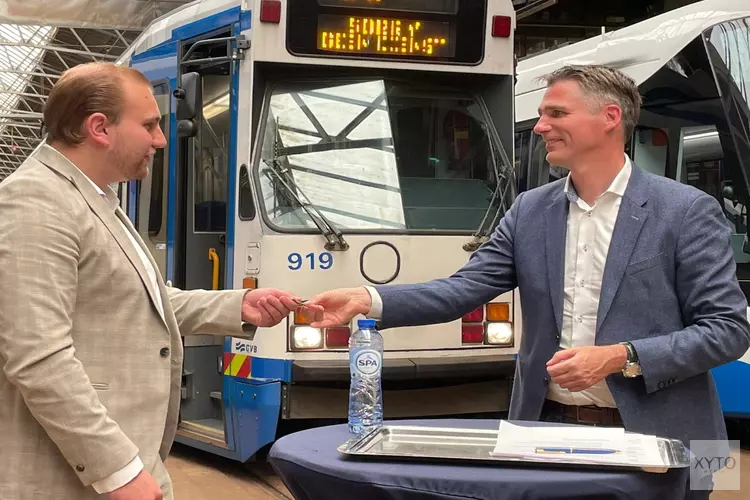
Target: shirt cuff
x=376 y=309
x=119 y=478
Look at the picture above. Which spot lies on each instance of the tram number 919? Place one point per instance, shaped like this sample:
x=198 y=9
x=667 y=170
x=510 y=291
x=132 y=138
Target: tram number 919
x=310 y=261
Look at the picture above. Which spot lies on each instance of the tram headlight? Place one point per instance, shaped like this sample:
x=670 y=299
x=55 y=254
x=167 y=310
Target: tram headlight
x=306 y=337
x=500 y=333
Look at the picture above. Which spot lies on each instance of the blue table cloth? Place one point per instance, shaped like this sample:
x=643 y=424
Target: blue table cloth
x=312 y=469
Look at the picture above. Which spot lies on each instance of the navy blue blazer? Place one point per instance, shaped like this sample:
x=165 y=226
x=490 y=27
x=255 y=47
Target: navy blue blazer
x=669 y=287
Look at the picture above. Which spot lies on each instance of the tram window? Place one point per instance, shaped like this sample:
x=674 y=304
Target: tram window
x=151 y=192
x=377 y=154
x=155 y=217
x=728 y=48
x=536 y=169
x=212 y=156
x=648 y=148
x=246 y=204
x=703 y=165
x=521 y=163
x=699 y=160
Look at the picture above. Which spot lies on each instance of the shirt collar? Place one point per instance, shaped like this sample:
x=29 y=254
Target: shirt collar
x=109 y=195
x=618 y=185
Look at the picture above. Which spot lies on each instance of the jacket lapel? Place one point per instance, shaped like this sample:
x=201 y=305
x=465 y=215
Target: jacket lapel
x=630 y=219
x=127 y=225
x=555 y=228
x=55 y=161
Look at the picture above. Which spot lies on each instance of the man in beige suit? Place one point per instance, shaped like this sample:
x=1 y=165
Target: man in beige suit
x=89 y=334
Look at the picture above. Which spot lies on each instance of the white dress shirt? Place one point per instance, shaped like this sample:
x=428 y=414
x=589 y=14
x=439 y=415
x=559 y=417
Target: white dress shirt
x=588 y=234
x=123 y=476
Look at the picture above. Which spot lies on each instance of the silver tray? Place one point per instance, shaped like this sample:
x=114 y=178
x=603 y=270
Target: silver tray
x=466 y=444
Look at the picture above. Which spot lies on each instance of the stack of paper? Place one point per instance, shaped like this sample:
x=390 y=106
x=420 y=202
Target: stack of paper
x=577 y=444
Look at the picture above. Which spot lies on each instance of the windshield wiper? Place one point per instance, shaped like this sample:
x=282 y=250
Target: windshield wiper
x=334 y=237
x=481 y=235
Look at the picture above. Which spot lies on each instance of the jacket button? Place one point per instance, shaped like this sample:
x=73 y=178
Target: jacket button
x=164 y=352
x=80 y=468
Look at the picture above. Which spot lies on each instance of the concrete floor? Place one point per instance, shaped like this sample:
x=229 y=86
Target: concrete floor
x=200 y=476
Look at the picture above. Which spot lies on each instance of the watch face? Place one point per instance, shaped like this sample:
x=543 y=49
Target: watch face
x=632 y=370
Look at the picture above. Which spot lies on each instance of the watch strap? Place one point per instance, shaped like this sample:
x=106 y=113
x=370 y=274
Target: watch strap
x=632 y=355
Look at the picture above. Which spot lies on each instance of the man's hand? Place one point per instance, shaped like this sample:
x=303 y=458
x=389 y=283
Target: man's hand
x=338 y=307
x=142 y=487
x=579 y=368
x=268 y=306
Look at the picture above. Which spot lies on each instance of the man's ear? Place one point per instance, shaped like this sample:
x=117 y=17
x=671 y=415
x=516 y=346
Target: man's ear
x=612 y=117
x=96 y=127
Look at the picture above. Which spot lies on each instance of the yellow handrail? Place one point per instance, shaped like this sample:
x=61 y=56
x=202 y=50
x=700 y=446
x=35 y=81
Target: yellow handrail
x=213 y=256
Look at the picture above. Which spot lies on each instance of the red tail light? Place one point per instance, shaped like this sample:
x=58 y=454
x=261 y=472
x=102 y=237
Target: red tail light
x=475 y=316
x=338 y=336
x=270 y=11
x=501 y=26
x=472 y=334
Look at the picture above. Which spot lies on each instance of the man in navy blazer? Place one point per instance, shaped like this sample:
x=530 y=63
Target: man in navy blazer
x=627 y=279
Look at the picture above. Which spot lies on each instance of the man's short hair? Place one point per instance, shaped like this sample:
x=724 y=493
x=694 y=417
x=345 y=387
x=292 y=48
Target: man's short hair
x=82 y=91
x=606 y=86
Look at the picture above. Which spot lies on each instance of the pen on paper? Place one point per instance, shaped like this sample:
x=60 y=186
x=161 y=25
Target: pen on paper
x=576 y=451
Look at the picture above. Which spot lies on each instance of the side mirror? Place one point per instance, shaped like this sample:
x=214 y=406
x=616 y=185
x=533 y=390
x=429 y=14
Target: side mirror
x=189 y=101
x=187 y=128
x=189 y=96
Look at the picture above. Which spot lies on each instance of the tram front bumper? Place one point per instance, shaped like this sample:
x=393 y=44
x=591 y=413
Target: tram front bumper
x=412 y=387
x=497 y=366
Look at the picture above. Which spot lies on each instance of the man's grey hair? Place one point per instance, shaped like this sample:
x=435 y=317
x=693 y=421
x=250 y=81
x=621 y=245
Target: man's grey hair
x=606 y=86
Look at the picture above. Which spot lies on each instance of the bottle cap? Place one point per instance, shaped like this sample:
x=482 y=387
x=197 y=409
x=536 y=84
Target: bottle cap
x=366 y=324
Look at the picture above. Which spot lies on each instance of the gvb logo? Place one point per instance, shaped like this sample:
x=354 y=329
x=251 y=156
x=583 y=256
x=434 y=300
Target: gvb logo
x=367 y=362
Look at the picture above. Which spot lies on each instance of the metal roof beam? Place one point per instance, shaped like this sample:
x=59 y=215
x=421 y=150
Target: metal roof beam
x=31 y=73
x=20 y=125
x=11 y=136
x=57 y=48
x=108 y=14
x=14 y=147
x=11 y=143
x=25 y=139
x=27 y=136
x=20 y=112
x=83 y=44
x=16 y=116
x=11 y=156
x=63 y=61
x=122 y=39
x=23 y=94
x=41 y=90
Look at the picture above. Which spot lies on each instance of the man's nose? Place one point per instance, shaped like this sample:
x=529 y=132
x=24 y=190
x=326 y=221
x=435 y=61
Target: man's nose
x=541 y=126
x=160 y=141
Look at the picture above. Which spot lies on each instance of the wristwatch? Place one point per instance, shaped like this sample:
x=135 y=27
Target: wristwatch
x=632 y=368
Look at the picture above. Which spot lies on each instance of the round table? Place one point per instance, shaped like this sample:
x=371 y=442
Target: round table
x=312 y=468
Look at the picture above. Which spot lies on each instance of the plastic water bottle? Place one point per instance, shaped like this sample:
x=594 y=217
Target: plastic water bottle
x=365 y=367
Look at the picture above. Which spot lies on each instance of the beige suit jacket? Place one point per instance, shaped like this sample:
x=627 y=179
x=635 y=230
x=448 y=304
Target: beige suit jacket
x=91 y=372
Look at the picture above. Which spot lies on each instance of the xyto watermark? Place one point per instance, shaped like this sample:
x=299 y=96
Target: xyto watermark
x=714 y=465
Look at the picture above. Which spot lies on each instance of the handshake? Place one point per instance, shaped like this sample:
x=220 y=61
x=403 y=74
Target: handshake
x=269 y=306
